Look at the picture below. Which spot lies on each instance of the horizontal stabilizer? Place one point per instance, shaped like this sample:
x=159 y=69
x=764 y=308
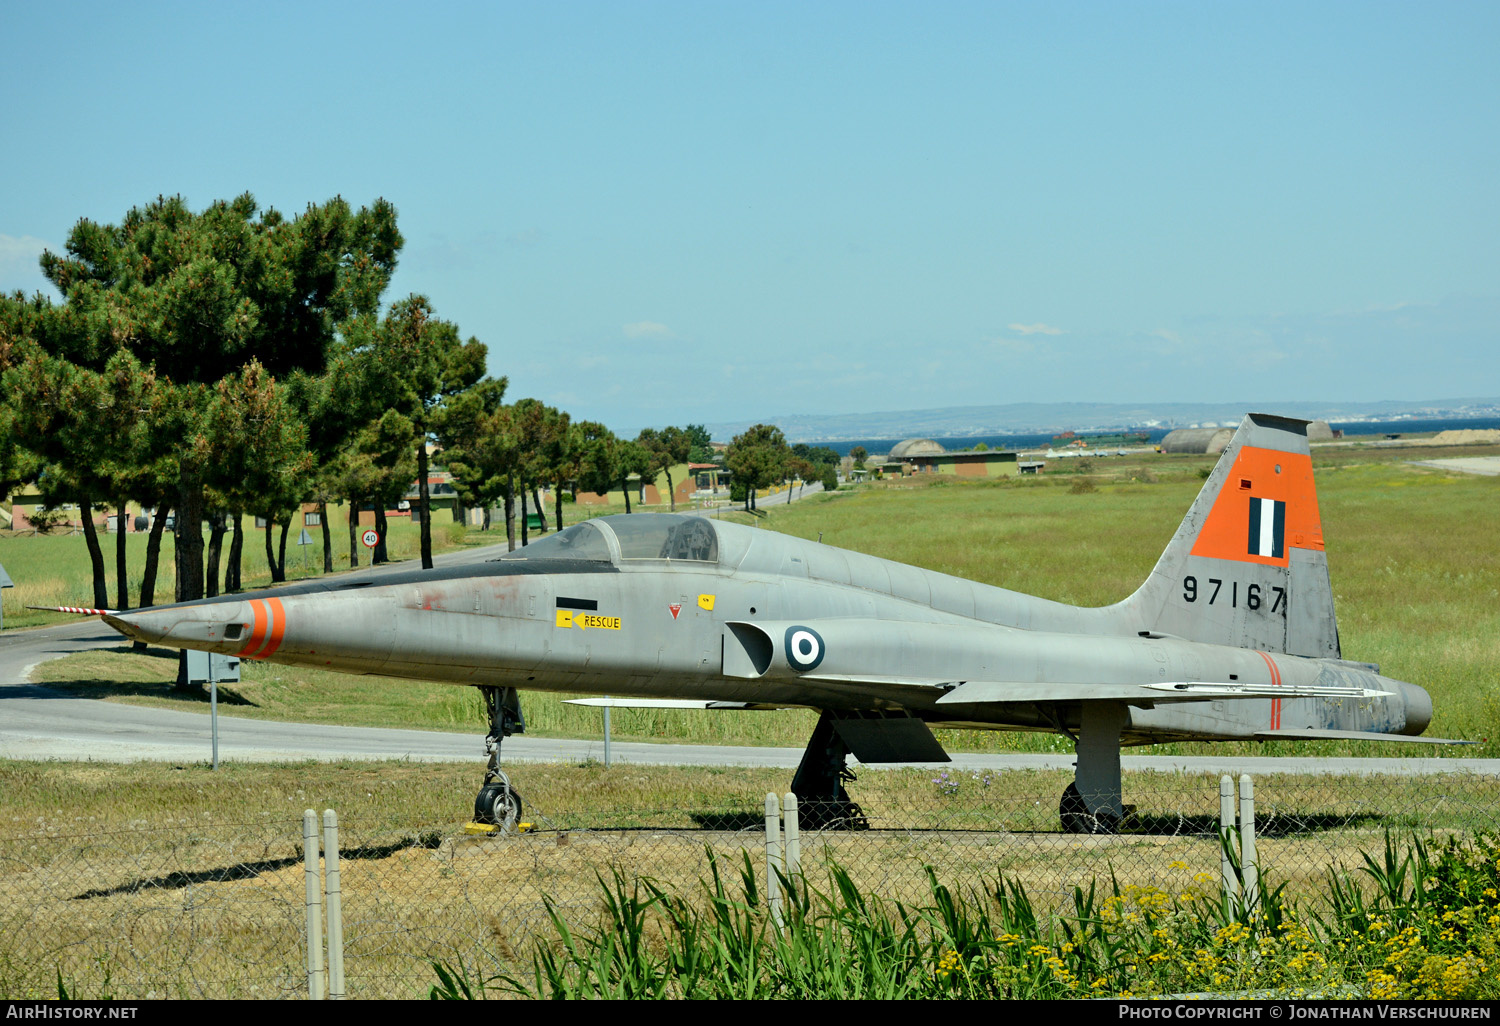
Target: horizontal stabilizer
x=664 y=703
x=86 y=611
x=987 y=692
x=1350 y=735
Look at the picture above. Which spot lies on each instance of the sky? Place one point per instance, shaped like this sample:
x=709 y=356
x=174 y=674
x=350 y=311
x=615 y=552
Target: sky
x=667 y=213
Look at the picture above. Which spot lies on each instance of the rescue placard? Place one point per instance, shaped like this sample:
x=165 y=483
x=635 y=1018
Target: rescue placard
x=583 y=621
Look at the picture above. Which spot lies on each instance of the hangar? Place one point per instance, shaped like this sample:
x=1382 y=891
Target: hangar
x=924 y=456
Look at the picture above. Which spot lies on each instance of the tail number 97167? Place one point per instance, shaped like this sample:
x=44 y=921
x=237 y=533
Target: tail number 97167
x=1254 y=596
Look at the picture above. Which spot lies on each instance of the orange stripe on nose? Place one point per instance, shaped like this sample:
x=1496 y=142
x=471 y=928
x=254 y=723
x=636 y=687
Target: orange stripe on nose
x=271 y=630
x=278 y=628
x=257 y=630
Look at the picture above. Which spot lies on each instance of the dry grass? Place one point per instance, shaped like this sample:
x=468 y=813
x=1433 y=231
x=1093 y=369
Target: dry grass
x=182 y=882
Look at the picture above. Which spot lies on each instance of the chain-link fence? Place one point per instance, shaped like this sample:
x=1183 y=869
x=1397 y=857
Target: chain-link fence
x=178 y=909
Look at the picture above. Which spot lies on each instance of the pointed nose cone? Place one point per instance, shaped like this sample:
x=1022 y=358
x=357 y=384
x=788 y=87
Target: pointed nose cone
x=147 y=627
x=215 y=627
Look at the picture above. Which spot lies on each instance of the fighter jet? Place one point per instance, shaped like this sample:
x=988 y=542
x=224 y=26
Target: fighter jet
x=1232 y=637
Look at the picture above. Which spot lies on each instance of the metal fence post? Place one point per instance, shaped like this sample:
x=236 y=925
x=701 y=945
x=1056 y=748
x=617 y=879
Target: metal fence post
x=793 y=835
x=1229 y=883
x=314 y=905
x=773 y=856
x=335 y=905
x=1249 y=864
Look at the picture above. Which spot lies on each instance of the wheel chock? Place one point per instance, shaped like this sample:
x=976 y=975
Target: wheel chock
x=490 y=829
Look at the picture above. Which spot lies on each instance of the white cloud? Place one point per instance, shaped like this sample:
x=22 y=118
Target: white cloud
x=647 y=329
x=1035 y=329
x=18 y=256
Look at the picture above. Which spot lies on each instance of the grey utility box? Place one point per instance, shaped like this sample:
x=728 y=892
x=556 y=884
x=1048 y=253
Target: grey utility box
x=205 y=667
x=5 y=582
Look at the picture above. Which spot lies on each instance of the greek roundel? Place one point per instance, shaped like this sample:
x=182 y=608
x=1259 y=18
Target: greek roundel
x=804 y=648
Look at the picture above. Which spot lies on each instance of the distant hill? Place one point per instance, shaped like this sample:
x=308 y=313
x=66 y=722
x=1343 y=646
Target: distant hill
x=1031 y=418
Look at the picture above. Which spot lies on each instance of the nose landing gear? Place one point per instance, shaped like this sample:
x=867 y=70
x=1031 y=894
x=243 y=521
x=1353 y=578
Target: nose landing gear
x=498 y=804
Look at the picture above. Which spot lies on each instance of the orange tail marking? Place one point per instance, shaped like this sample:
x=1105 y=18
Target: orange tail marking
x=1262 y=474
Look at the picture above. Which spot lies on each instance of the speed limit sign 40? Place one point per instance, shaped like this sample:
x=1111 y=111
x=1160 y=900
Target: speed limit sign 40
x=371 y=538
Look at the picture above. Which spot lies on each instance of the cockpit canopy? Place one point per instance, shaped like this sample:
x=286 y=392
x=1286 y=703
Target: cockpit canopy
x=638 y=536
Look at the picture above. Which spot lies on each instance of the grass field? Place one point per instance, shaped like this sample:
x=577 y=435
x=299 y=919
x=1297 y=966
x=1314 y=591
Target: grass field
x=1414 y=555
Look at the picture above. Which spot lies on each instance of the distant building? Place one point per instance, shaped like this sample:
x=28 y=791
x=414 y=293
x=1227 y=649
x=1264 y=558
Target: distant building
x=691 y=482
x=924 y=456
x=1212 y=440
x=1197 y=441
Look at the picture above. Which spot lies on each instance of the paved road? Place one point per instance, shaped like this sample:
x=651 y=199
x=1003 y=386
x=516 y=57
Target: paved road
x=1489 y=466
x=796 y=493
x=42 y=723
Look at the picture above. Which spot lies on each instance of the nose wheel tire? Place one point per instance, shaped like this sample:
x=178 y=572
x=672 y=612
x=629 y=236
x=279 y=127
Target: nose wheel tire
x=498 y=805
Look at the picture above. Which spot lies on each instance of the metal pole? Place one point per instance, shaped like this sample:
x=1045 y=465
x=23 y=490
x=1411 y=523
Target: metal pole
x=773 y=857
x=213 y=710
x=335 y=905
x=1226 y=839
x=606 y=736
x=314 y=905
x=1249 y=864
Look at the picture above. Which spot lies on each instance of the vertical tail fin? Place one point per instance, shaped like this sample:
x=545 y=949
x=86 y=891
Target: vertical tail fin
x=1247 y=566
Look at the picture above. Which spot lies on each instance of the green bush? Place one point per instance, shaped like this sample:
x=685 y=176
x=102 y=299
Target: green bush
x=1427 y=932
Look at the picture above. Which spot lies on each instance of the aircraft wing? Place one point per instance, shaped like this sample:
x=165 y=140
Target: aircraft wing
x=668 y=703
x=986 y=692
x=1310 y=734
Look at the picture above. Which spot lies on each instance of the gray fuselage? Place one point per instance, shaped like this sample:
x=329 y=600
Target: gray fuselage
x=664 y=606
